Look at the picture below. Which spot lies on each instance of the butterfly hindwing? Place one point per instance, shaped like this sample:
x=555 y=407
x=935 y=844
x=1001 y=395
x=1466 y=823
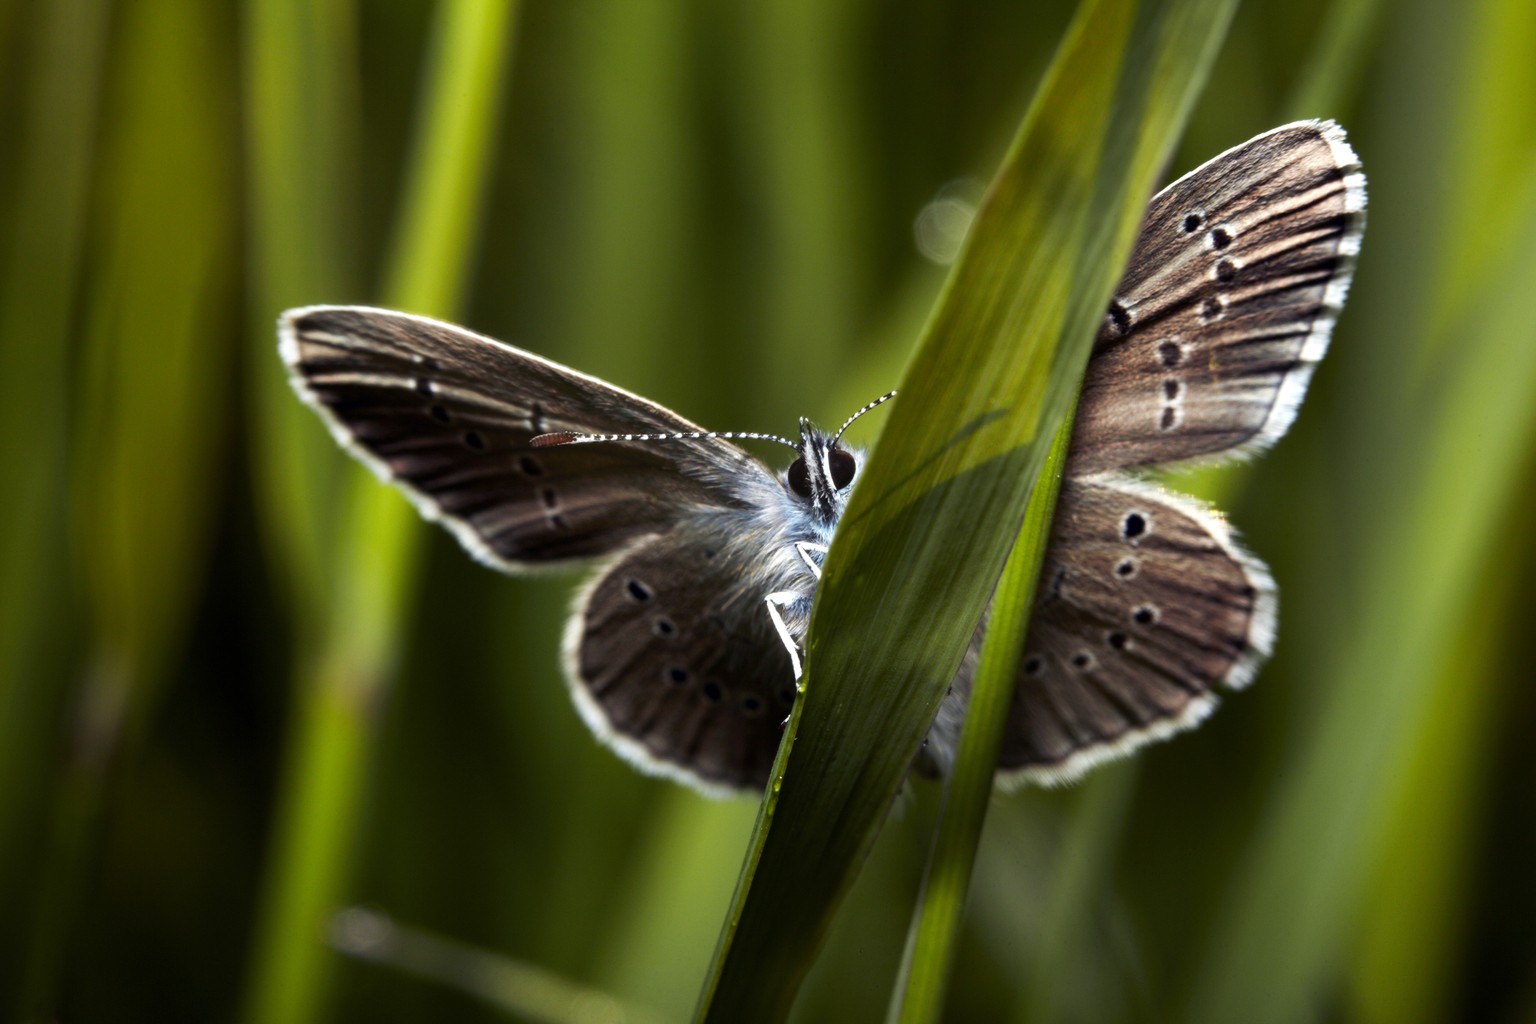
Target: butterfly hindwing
x=1226 y=305
x=1145 y=605
x=673 y=661
x=448 y=415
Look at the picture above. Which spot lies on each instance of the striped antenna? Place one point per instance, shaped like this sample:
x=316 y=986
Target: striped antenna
x=568 y=437
x=882 y=399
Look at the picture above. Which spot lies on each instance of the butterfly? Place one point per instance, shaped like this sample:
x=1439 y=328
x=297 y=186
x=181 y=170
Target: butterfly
x=682 y=652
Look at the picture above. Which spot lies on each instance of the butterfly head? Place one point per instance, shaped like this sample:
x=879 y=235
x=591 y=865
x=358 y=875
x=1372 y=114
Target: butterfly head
x=823 y=473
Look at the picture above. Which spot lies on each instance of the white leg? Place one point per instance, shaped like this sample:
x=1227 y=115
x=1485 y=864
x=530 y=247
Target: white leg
x=804 y=549
x=775 y=601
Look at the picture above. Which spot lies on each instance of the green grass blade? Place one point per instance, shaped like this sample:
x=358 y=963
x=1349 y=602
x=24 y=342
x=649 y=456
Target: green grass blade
x=1168 y=62
x=146 y=433
x=299 y=85
x=1334 y=64
x=942 y=498
x=324 y=784
x=524 y=991
x=1424 y=876
x=802 y=130
x=933 y=938
x=40 y=273
x=460 y=112
x=1084 y=872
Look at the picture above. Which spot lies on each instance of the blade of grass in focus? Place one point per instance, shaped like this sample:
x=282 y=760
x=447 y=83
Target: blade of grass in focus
x=375 y=562
x=1165 y=65
x=933 y=937
x=930 y=526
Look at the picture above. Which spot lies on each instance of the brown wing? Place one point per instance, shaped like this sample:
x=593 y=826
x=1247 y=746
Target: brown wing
x=1145 y=605
x=673 y=661
x=1226 y=305
x=447 y=415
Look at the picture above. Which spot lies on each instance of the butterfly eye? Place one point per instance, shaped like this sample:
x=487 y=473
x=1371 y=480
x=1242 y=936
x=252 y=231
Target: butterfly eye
x=800 y=478
x=842 y=466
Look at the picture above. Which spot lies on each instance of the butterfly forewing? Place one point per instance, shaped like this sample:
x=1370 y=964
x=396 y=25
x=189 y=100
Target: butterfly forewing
x=1145 y=606
x=448 y=415
x=1226 y=305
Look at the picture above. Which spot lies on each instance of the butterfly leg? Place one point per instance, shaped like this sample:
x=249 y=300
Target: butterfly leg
x=776 y=602
x=805 y=550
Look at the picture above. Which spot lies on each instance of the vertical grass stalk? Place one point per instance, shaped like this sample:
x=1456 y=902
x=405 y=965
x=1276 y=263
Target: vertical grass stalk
x=342 y=691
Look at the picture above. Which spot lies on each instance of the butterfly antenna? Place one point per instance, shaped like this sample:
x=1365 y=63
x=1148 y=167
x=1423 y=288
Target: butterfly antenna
x=569 y=437
x=879 y=401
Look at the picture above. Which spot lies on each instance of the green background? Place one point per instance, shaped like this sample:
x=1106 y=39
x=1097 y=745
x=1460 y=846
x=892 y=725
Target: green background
x=235 y=695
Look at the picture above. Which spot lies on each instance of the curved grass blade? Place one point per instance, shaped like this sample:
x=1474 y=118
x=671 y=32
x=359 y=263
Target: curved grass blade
x=522 y=990
x=931 y=940
x=926 y=535
x=1166 y=65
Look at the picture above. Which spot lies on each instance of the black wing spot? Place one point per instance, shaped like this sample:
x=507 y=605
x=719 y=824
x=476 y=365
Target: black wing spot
x=1170 y=353
x=1118 y=640
x=1082 y=661
x=550 y=498
x=474 y=440
x=677 y=676
x=530 y=466
x=536 y=419
x=1171 y=388
x=439 y=413
x=638 y=591
x=1119 y=317
x=1170 y=418
x=1220 y=238
x=1133 y=526
x=714 y=691
x=1145 y=615
x=1212 y=309
x=1192 y=223
x=1033 y=665
x=1226 y=270
x=1126 y=569
x=424 y=386
x=752 y=704
x=664 y=627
